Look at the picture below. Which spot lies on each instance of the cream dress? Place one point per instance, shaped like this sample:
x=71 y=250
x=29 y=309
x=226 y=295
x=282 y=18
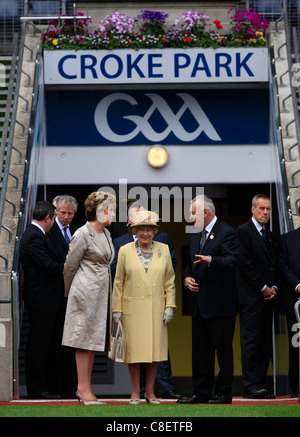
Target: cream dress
x=88 y=287
x=144 y=286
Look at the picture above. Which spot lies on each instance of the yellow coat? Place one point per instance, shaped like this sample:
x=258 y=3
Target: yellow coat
x=142 y=297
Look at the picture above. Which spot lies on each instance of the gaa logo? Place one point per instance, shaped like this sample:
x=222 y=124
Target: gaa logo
x=142 y=124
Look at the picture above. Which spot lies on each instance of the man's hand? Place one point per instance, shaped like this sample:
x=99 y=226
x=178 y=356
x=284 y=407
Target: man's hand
x=191 y=284
x=269 y=293
x=202 y=259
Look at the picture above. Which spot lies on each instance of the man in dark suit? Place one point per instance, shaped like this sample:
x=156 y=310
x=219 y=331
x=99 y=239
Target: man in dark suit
x=60 y=235
x=164 y=373
x=257 y=287
x=62 y=229
x=210 y=277
x=43 y=298
x=289 y=267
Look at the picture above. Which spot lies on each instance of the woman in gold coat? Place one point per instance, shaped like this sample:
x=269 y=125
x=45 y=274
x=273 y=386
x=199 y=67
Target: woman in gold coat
x=144 y=297
x=88 y=287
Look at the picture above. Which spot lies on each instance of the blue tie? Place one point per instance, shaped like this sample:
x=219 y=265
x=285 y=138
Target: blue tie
x=66 y=235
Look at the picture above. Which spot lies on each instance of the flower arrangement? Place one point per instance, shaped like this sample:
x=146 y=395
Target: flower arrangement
x=249 y=26
x=151 y=22
x=118 y=23
x=149 y=30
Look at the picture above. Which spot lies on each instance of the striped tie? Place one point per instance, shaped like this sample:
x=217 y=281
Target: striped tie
x=66 y=235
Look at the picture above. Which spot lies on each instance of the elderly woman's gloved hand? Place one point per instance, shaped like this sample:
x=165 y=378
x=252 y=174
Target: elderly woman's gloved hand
x=168 y=315
x=116 y=317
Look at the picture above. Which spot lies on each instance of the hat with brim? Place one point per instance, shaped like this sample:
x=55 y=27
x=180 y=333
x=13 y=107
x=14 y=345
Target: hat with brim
x=144 y=218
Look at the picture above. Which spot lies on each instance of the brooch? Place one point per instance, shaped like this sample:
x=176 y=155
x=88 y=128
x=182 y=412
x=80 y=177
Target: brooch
x=211 y=236
x=159 y=253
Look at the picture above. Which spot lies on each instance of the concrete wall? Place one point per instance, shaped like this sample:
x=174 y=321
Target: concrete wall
x=90 y=165
x=6 y=341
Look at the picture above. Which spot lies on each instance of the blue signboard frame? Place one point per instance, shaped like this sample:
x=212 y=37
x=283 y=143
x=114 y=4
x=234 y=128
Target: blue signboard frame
x=169 y=117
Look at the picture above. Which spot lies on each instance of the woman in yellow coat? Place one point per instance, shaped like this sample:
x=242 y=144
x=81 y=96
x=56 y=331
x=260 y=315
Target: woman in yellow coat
x=144 y=297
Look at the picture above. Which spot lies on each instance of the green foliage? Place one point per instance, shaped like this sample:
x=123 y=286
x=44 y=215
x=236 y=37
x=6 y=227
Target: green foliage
x=154 y=411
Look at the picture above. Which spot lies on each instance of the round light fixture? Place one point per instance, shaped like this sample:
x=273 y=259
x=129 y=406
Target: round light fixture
x=157 y=156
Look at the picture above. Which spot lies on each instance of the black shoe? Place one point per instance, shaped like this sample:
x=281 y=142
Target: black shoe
x=221 y=399
x=268 y=395
x=194 y=399
x=256 y=393
x=171 y=394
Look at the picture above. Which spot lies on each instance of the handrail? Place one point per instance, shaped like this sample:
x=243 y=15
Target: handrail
x=275 y=105
x=55 y=17
x=21 y=222
x=294 y=99
x=59 y=17
x=9 y=100
x=11 y=130
x=15 y=272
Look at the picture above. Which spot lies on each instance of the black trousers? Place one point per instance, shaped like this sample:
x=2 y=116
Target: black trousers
x=256 y=343
x=49 y=366
x=210 y=336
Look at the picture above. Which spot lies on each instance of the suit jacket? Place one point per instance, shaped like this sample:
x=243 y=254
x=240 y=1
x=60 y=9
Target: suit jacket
x=289 y=267
x=58 y=241
x=257 y=264
x=42 y=270
x=217 y=296
x=142 y=298
x=128 y=238
x=60 y=245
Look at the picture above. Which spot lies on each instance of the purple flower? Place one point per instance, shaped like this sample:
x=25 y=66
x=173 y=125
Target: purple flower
x=153 y=16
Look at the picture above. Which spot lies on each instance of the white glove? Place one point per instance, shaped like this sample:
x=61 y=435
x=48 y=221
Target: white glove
x=168 y=315
x=116 y=317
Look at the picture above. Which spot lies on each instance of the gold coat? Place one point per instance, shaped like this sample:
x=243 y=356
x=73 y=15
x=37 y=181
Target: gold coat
x=142 y=297
x=88 y=287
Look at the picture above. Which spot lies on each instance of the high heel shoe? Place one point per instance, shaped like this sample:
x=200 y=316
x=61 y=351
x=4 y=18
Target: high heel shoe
x=134 y=402
x=151 y=400
x=80 y=398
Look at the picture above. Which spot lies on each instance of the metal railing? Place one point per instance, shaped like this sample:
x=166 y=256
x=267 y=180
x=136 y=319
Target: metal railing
x=289 y=12
x=293 y=97
x=275 y=119
x=8 y=95
x=12 y=10
x=8 y=145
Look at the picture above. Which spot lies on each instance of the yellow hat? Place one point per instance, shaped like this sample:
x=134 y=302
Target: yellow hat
x=144 y=218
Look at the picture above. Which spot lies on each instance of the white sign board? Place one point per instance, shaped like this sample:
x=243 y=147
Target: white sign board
x=156 y=66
